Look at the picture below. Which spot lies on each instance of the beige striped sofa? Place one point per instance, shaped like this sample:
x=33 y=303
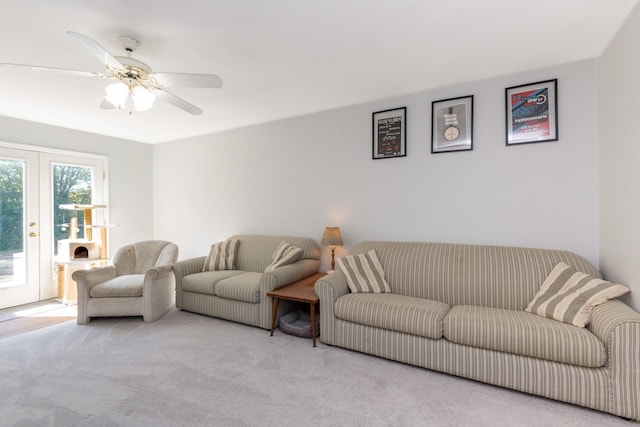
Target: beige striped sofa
x=241 y=295
x=459 y=309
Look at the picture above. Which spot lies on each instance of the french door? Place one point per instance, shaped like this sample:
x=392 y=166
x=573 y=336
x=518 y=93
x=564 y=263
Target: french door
x=33 y=185
x=19 y=227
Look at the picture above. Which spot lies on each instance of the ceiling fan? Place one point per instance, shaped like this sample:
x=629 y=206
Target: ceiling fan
x=135 y=79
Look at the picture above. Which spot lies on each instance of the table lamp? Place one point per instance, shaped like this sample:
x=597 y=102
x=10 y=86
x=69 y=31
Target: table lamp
x=333 y=238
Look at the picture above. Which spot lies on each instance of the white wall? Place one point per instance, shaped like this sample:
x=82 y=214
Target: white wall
x=130 y=169
x=296 y=176
x=620 y=159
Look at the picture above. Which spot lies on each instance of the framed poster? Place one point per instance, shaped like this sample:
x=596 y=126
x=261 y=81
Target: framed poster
x=452 y=124
x=532 y=112
x=389 y=133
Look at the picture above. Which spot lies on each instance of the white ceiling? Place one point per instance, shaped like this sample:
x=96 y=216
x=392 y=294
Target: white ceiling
x=282 y=58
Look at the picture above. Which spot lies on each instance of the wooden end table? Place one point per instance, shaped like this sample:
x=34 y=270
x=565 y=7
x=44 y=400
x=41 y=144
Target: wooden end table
x=300 y=291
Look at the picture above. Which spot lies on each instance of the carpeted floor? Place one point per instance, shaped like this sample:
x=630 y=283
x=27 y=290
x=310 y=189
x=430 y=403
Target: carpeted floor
x=192 y=370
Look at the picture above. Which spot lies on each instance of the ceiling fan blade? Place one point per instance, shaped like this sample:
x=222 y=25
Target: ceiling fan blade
x=98 y=51
x=57 y=70
x=188 y=80
x=178 y=102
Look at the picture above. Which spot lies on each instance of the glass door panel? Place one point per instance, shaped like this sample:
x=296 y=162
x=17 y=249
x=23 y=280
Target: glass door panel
x=72 y=185
x=19 y=228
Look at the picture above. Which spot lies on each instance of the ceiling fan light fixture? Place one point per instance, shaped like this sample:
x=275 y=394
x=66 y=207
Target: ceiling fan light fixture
x=117 y=94
x=143 y=98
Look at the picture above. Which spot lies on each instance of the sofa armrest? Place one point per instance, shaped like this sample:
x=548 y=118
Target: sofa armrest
x=332 y=286
x=184 y=268
x=288 y=274
x=158 y=272
x=618 y=326
x=85 y=280
x=279 y=277
x=188 y=266
x=158 y=291
x=329 y=289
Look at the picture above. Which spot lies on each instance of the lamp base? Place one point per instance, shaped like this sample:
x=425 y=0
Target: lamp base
x=333 y=258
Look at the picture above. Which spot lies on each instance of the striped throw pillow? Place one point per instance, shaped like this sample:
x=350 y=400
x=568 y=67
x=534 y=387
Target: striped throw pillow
x=285 y=254
x=364 y=273
x=569 y=296
x=222 y=256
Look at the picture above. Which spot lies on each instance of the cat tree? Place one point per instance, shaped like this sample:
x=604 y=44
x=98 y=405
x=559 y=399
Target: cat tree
x=86 y=248
x=74 y=253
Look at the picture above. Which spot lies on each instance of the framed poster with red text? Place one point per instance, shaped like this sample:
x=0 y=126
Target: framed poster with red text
x=532 y=112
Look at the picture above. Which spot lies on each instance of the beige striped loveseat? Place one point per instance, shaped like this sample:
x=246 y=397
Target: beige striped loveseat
x=459 y=309
x=241 y=294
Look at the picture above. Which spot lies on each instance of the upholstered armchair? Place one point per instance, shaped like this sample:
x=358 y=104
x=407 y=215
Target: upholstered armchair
x=139 y=283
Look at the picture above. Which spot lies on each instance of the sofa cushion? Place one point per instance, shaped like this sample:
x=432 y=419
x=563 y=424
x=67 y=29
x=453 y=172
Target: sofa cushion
x=206 y=281
x=243 y=287
x=120 y=286
x=285 y=254
x=222 y=256
x=569 y=296
x=364 y=273
x=519 y=332
x=416 y=316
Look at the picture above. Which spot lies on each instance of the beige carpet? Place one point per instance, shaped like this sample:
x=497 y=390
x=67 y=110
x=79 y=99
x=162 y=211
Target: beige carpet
x=192 y=370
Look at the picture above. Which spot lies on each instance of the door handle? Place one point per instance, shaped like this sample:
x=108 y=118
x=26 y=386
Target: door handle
x=32 y=234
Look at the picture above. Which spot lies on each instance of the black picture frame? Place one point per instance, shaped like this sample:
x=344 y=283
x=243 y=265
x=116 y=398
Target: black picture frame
x=452 y=125
x=532 y=112
x=389 y=133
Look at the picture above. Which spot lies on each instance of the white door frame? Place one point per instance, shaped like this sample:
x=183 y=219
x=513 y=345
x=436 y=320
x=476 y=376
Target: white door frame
x=48 y=287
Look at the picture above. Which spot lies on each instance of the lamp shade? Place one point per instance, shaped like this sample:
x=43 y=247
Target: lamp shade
x=117 y=94
x=332 y=236
x=142 y=98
